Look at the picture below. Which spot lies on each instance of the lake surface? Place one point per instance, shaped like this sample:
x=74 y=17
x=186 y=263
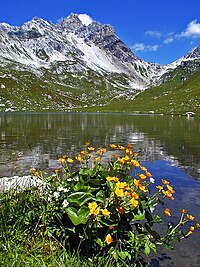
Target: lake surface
x=170 y=148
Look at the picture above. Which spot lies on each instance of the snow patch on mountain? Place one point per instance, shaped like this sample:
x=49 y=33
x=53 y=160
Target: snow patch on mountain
x=85 y=19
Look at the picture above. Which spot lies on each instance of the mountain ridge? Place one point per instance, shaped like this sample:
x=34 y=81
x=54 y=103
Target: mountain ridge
x=87 y=61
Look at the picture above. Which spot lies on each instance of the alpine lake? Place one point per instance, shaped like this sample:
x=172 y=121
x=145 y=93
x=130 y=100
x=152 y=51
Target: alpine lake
x=169 y=146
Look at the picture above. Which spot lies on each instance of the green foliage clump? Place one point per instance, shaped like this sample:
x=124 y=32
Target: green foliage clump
x=101 y=207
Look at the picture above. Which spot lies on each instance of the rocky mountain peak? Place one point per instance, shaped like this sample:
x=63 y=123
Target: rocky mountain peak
x=195 y=53
x=72 y=22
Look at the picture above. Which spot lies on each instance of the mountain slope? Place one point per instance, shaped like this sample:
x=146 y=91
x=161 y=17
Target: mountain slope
x=175 y=96
x=74 y=65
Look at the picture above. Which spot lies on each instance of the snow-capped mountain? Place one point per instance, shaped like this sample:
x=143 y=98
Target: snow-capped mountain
x=75 y=53
x=96 y=47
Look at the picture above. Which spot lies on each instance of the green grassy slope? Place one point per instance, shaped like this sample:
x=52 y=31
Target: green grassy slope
x=172 y=97
x=23 y=90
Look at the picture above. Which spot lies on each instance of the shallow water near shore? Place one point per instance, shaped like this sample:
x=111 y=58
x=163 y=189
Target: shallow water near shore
x=168 y=146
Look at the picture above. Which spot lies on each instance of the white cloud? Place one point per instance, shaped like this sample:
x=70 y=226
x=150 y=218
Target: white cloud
x=138 y=47
x=168 y=40
x=192 y=30
x=85 y=19
x=156 y=34
x=145 y=48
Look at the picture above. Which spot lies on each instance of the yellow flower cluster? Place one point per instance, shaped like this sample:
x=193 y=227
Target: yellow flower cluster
x=166 y=189
x=94 y=209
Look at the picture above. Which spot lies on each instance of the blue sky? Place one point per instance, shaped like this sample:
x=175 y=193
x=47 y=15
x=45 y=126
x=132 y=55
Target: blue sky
x=156 y=30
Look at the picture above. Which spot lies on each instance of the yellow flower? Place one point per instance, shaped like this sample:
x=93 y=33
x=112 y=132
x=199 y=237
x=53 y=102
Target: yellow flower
x=84 y=152
x=126 y=158
x=129 y=151
x=120 y=160
x=109 y=239
x=129 y=146
x=171 y=189
x=96 y=212
x=32 y=170
x=168 y=193
x=91 y=148
x=119 y=192
x=93 y=207
x=142 y=176
x=103 y=150
x=190 y=217
x=192 y=228
x=113 y=146
x=198 y=225
x=121 y=185
x=87 y=143
x=165 y=181
x=136 y=182
x=159 y=187
x=127 y=194
x=135 y=195
x=98 y=159
x=105 y=212
x=64 y=156
x=143 y=188
x=112 y=178
x=121 y=147
x=148 y=174
x=69 y=160
x=143 y=168
x=183 y=210
x=56 y=171
x=135 y=163
x=115 y=179
x=134 y=202
x=100 y=152
x=79 y=157
x=61 y=160
x=167 y=212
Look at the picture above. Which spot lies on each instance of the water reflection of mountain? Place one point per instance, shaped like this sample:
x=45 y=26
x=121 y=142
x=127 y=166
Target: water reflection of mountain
x=44 y=137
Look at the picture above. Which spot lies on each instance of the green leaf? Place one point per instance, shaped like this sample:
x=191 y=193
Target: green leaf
x=95 y=182
x=123 y=255
x=139 y=216
x=84 y=171
x=80 y=198
x=77 y=218
x=80 y=186
x=157 y=219
x=146 y=249
x=100 y=196
x=83 y=212
x=100 y=242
